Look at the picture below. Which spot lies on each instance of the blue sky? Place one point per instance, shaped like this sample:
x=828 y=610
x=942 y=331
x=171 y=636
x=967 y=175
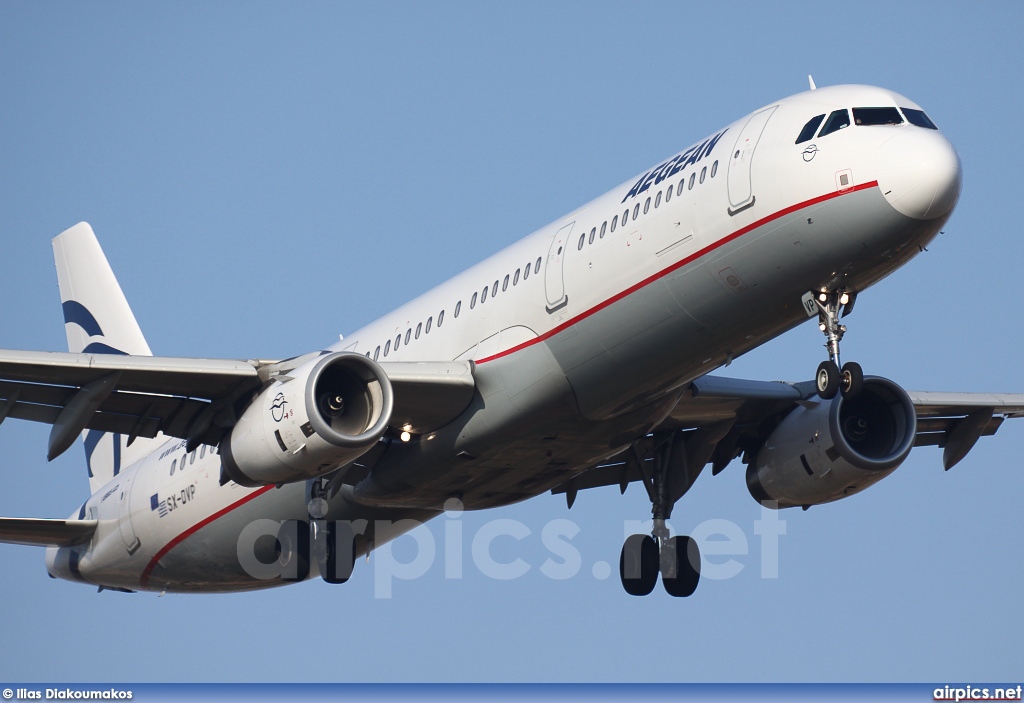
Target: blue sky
x=266 y=176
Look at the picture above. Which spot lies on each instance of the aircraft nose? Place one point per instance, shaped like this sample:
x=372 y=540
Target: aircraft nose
x=919 y=173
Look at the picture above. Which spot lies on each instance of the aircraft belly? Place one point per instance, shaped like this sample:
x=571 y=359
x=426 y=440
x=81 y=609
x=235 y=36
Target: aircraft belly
x=521 y=435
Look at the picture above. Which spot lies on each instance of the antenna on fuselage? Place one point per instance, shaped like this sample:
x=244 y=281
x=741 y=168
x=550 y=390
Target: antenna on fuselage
x=810 y=79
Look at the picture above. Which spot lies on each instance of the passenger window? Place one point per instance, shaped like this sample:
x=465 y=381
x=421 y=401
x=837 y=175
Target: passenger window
x=174 y=465
x=668 y=194
x=679 y=188
x=693 y=178
x=918 y=118
x=483 y=295
x=647 y=205
x=419 y=327
x=192 y=457
x=458 y=309
x=583 y=238
x=504 y=284
x=840 y=119
x=604 y=227
x=429 y=321
x=714 y=168
x=440 y=316
x=703 y=173
x=515 y=279
x=657 y=199
x=807 y=133
x=387 y=347
x=398 y=341
x=874 y=116
x=593 y=233
x=494 y=290
x=615 y=221
x=536 y=265
x=636 y=209
x=202 y=450
x=625 y=217
x=408 y=335
x=376 y=353
x=526 y=272
x=472 y=302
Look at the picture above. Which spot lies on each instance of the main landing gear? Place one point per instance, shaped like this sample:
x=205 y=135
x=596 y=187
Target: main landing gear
x=830 y=378
x=332 y=544
x=667 y=475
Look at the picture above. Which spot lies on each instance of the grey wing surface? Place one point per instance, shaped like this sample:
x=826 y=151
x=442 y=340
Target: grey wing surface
x=723 y=418
x=198 y=400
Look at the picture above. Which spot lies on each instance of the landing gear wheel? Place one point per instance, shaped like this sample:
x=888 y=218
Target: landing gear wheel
x=687 y=558
x=293 y=550
x=338 y=556
x=852 y=380
x=827 y=379
x=638 y=565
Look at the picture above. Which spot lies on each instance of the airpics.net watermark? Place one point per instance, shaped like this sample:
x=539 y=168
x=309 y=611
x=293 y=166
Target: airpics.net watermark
x=725 y=548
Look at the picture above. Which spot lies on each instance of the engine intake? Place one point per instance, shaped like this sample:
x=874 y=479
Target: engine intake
x=317 y=418
x=835 y=448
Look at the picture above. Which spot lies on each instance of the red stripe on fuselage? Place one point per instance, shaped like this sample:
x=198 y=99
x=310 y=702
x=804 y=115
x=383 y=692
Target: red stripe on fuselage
x=195 y=528
x=676 y=266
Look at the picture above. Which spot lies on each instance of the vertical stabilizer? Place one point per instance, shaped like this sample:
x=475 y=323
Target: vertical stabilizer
x=98 y=320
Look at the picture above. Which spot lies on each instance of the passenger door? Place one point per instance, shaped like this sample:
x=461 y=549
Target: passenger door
x=741 y=194
x=554 y=269
x=124 y=515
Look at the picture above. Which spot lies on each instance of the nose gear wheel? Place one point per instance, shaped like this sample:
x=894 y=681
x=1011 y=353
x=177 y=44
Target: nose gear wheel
x=831 y=378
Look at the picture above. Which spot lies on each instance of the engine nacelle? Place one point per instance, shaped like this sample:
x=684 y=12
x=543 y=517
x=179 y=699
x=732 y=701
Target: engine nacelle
x=835 y=448
x=320 y=416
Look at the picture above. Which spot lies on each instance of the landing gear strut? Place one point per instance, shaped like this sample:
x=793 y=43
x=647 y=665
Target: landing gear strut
x=333 y=542
x=830 y=378
x=677 y=559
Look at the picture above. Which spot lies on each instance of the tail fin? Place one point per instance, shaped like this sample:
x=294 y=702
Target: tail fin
x=98 y=320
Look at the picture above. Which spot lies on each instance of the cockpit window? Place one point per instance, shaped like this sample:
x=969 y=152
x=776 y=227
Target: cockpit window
x=871 y=116
x=918 y=118
x=807 y=133
x=835 y=122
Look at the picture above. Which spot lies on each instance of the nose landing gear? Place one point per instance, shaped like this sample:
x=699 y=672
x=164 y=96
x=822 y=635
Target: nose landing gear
x=831 y=379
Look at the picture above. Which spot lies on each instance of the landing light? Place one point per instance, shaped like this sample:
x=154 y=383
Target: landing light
x=822 y=297
x=844 y=299
x=405 y=436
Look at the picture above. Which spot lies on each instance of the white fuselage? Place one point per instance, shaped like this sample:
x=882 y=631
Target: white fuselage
x=583 y=332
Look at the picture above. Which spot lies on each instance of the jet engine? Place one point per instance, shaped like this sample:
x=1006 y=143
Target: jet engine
x=832 y=449
x=320 y=416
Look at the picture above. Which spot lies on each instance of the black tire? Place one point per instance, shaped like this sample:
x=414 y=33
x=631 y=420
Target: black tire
x=852 y=380
x=293 y=550
x=687 y=568
x=638 y=565
x=827 y=380
x=339 y=554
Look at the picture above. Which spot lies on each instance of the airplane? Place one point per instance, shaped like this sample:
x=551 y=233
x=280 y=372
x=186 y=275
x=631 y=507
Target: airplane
x=578 y=357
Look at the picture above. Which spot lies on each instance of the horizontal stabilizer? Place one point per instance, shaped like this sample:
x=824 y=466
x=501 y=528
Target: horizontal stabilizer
x=39 y=532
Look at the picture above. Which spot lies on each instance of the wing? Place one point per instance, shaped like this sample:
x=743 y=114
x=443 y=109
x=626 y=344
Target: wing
x=726 y=417
x=198 y=400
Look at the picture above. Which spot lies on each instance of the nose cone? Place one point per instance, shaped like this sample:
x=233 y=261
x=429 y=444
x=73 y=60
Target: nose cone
x=919 y=173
